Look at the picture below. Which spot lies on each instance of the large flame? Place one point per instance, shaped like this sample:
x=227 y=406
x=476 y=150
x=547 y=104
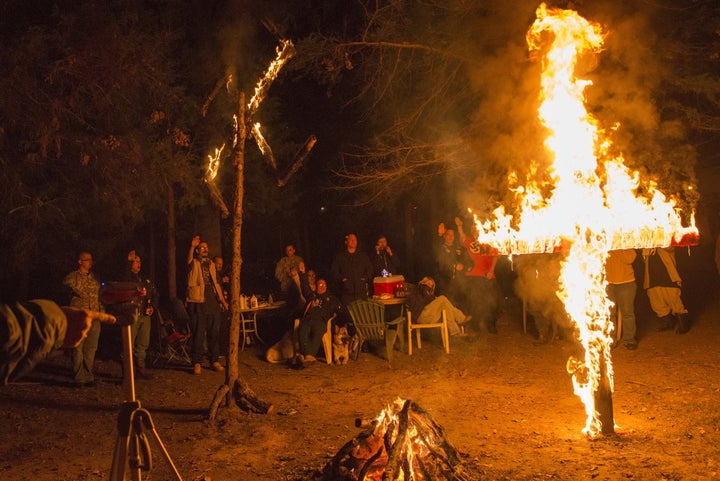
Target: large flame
x=594 y=205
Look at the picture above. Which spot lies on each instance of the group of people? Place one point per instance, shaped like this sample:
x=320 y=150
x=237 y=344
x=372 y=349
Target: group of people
x=537 y=282
x=464 y=285
x=85 y=294
x=662 y=283
x=46 y=325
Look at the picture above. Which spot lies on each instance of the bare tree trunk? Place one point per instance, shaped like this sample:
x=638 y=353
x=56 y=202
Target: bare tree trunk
x=232 y=372
x=171 y=246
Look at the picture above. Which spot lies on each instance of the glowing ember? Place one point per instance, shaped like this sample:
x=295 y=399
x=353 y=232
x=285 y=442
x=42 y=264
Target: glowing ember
x=594 y=206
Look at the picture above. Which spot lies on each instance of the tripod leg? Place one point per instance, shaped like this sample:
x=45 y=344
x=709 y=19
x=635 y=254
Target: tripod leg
x=166 y=455
x=120 y=455
x=150 y=427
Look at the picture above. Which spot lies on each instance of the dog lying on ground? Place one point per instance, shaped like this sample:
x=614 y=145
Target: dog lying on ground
x=284 y=350
x=340 y=345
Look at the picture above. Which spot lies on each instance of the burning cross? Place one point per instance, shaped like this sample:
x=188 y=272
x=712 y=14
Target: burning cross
x=283 y=54
x=593 y=208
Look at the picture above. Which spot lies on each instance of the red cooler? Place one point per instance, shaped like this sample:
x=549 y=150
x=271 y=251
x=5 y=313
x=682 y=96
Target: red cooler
x=386 y=286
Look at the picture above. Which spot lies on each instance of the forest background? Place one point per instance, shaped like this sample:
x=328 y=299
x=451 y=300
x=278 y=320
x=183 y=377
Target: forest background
x=421 y=109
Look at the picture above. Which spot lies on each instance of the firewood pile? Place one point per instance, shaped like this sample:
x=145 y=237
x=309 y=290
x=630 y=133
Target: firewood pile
x=402 y=444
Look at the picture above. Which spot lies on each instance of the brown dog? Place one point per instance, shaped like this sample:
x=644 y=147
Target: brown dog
x=340 y=345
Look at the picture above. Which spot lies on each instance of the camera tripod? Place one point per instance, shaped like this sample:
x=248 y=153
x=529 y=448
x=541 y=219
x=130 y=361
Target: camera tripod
x=132 y=448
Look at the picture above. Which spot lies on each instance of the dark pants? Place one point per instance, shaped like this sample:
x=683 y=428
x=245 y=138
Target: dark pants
x=310 y=333
x=204 y=326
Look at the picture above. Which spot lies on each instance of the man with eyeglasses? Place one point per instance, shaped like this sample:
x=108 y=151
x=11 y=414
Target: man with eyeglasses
x=204 y=303
x=85 y=295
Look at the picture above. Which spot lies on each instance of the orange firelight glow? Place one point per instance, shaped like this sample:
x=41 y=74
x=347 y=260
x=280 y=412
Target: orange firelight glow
x=594 y=206
x=213 y=164
x=283 y=55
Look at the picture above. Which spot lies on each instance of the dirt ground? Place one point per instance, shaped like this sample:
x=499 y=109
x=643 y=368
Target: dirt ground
x=504 y=401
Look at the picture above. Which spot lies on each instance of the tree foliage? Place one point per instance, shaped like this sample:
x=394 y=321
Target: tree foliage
x=447 y=93
x=93 y=133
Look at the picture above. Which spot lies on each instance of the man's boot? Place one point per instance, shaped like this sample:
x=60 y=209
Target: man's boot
x=683 y=324
x=666 y=323
x=142 y=370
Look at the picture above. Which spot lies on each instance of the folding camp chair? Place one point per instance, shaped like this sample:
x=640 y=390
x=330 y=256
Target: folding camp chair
x=173 y=343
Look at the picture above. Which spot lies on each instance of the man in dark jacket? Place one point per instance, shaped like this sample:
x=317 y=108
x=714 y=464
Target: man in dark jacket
x=351 y=271
x=140 y=329
x=384 y=261
x=451 y=261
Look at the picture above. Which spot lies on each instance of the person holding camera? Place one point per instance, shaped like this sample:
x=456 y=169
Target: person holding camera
x=140 y=329
x=384 y=261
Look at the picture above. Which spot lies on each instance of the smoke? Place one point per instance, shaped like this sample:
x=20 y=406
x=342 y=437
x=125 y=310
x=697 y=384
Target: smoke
x=627 y=81
x=537 y=283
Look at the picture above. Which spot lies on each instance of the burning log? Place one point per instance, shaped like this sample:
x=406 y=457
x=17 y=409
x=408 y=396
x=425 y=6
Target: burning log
x=264 y=147
x=283 y=55
x=403 y=443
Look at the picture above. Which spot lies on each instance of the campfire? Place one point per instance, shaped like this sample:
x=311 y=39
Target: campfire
x=588 y=203
x=402 y=444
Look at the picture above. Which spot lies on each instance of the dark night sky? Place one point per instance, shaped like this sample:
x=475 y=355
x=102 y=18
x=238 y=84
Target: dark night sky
x=496 y=127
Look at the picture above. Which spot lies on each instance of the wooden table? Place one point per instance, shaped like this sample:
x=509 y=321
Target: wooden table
x=390 y=301
x=248 y=321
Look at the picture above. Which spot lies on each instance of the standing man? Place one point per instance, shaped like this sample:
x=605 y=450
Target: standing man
x=451 y=260
x=621 y=289
x=351 y=271
x=384 y=261
x=284 y=274
x=482 y=293
x=85 y=295
x=204 y=302
x=663 y=286
x=140 y=329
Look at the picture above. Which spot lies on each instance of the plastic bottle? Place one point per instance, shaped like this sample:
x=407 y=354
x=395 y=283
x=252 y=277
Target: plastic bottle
x=253 y=302
x=243 y=301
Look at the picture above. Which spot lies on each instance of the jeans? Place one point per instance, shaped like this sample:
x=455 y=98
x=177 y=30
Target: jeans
x=83 y=356
x=623 y=295
x=310 y=334
x=140 y=337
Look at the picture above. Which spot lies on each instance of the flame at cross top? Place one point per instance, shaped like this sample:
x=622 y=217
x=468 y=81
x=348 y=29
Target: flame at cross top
x=594 y=206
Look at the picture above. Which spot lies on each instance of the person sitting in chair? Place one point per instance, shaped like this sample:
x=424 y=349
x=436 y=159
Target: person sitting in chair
x=427 y=309
x=321 y=306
